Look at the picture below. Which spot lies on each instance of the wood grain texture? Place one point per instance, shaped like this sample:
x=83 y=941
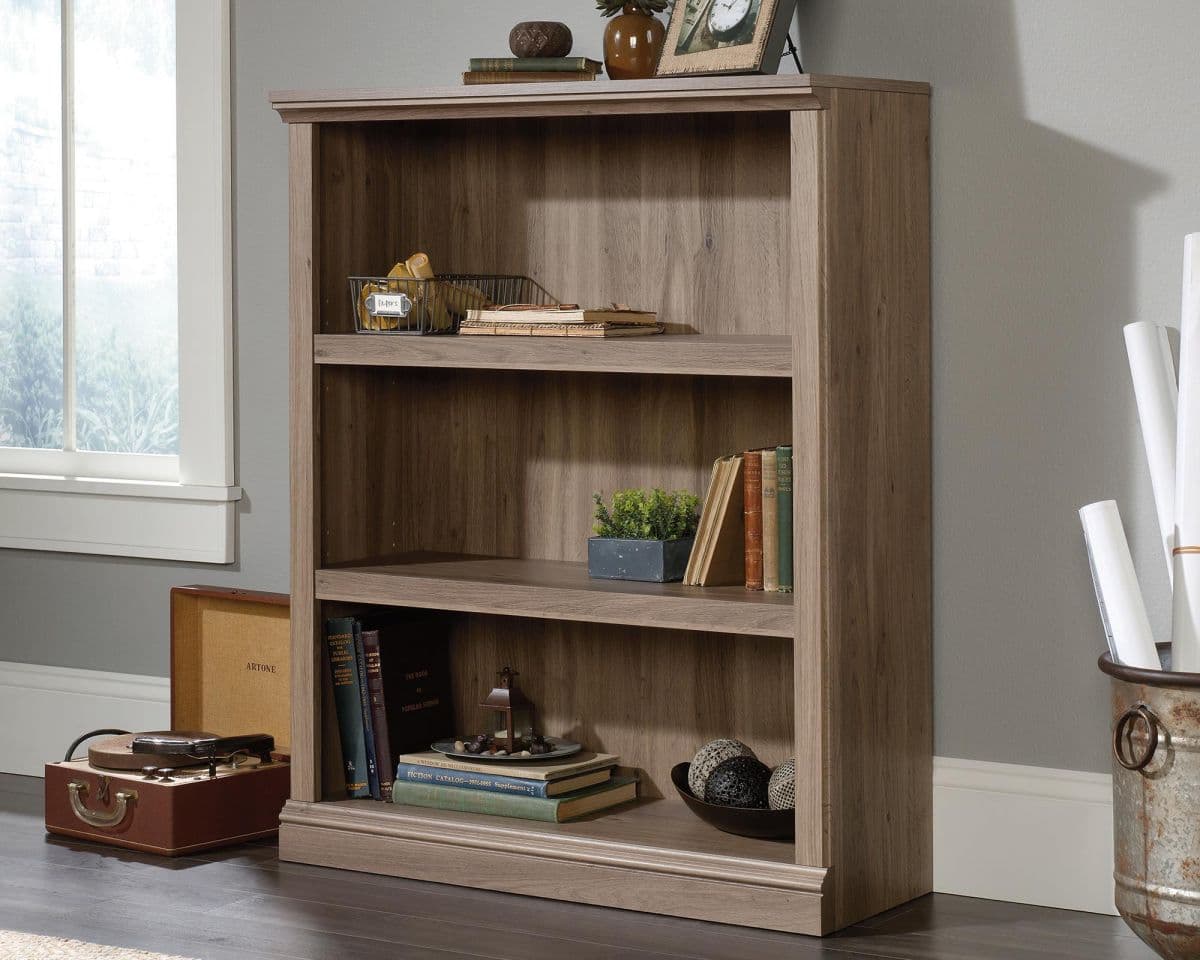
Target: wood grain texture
x=876 y=550
x=655 y=96
x=566 y=864
x=303 y=231
x=556 y=590
x=717 y=356
x=505 y=464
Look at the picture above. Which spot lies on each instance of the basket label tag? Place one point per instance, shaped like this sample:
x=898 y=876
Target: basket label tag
x=389 y=304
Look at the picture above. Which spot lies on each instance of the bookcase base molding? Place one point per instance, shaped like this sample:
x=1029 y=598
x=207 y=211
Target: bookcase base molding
x=779 y=226
x=560 y=863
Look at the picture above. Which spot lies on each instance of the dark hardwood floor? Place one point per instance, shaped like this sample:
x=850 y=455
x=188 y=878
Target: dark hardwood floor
x=243 y=904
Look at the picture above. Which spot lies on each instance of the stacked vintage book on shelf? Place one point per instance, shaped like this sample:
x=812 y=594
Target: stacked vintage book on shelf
x=565 y=320
x=745 y=532
x=550 y=790
x=531 y=70
x=389 y=682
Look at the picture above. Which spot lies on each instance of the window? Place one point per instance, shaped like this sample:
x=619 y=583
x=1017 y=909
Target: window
x=115 y=297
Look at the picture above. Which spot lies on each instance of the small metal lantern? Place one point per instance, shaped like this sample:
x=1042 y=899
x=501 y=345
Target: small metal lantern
x=511 y=713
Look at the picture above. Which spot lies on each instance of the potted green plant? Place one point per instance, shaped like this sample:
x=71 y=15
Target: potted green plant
x=643 y=535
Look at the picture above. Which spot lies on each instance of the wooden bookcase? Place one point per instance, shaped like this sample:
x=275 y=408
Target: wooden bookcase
x=781 y=228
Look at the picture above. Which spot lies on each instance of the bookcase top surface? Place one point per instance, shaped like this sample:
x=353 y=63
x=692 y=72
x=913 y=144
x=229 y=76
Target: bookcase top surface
x=667 y=95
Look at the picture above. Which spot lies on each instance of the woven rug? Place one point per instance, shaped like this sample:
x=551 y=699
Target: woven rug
x=26 y=946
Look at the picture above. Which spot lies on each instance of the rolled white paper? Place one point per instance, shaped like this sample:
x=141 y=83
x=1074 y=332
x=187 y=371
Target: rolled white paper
x=1185 y=608
x=1153 y=370
x=1122 y=609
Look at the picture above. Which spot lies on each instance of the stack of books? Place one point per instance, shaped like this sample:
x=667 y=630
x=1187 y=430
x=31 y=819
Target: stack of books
x=553 y=791
x=531 y=69
x=390 y=685
x=562 y=321
x=745 y=531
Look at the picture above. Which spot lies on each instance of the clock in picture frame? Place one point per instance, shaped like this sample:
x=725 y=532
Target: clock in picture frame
x=725 y=36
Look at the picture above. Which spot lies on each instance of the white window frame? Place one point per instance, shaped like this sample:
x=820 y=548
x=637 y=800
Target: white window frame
x=166 y=507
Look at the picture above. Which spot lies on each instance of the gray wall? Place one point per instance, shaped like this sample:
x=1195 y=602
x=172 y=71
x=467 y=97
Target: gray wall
x=1065 y=146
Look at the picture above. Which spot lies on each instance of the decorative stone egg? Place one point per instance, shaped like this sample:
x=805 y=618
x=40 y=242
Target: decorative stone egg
x=781 y=790
x=738 y=782
x=707 y=758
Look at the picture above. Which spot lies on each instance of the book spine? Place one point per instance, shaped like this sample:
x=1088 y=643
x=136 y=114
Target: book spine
x=343 y=670
x=534 y=65
x=364 y=713
x=770 y=520
x=467 y=780
x=784 y=487
x=752 y=513
x=378 y=703
x=476 y=77
x=474 y=801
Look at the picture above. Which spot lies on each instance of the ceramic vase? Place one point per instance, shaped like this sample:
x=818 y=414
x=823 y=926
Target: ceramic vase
x=633 y=42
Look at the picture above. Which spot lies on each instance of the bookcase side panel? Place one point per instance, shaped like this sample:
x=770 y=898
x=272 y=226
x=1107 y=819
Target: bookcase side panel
x=303 y=230
x=878 y=550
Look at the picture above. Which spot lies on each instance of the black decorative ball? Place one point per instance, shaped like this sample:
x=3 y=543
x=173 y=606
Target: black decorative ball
x=739 y=782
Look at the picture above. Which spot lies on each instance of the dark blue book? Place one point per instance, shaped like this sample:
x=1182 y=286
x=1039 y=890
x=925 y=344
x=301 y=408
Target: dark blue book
x=347 y=699
x=364 y=706
x=499 y=783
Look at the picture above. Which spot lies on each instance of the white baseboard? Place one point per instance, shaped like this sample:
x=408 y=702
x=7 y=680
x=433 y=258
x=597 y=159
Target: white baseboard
x=43 y=709
x=1024 y=834
x=1000 y=831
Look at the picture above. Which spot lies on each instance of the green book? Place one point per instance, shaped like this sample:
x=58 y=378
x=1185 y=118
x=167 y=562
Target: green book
x=347 y=699
x=783 y=500
x=551 y=809
x=534 y=64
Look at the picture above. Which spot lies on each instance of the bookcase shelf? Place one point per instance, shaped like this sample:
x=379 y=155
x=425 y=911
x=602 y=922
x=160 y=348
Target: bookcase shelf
x=780 y=226
x=557 y=590
x=698 y=355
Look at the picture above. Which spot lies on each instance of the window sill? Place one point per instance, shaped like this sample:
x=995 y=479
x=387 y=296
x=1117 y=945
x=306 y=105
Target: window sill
x=119 y=518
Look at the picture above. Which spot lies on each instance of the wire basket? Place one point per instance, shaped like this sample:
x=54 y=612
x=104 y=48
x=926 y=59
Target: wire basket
x=401 y=305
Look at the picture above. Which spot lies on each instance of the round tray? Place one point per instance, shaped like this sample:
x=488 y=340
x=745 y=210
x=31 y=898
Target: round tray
x=562 y=748
x=744 y=821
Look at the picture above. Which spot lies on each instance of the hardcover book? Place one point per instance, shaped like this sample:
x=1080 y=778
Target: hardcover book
x=752 y=513
x=724 y=560
x=378 y=709
x=551 y=809
x=476 y=77
x=343 y=670
x=553 y=770
x=536 y=64
x=784 y=486
x=691 y=576
x=608 y=330
x=770 y=521
x=495 y=782
x=364 y=707
x=565 y=315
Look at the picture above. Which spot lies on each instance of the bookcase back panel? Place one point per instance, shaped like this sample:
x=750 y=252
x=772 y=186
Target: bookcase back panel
x=505 y=464
x=686 y=215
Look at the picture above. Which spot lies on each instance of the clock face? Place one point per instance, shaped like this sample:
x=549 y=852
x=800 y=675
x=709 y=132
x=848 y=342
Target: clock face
x=727 y=17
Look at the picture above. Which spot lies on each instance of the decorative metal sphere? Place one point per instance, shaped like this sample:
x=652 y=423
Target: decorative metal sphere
x=781 y=791
x=707 y=758
x=739 y=782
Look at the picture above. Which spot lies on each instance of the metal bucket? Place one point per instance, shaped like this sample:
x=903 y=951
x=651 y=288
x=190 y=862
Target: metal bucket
x=1156 y=804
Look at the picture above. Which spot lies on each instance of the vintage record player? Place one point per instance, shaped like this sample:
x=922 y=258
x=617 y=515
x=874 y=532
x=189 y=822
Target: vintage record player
x=220 y=776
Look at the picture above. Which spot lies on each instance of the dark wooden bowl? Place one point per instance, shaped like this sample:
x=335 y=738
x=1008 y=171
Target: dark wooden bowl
x=744 y=821
x=540 y=38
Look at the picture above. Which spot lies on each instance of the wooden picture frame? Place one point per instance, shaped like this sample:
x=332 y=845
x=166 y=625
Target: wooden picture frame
x=725 y=36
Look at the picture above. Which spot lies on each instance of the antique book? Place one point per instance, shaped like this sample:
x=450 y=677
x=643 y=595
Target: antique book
x=497 y=782
x=724 y=562
x=365 y=713
x=784 y=487
x=691 y=576
x=343 y=671
x=564 y=315
x=378 y=709
x=554 y=770
x=752 y=513
x=551 y=809
x=489 y=329
x=536 y=64
x=770 y=521
x=476 y=77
